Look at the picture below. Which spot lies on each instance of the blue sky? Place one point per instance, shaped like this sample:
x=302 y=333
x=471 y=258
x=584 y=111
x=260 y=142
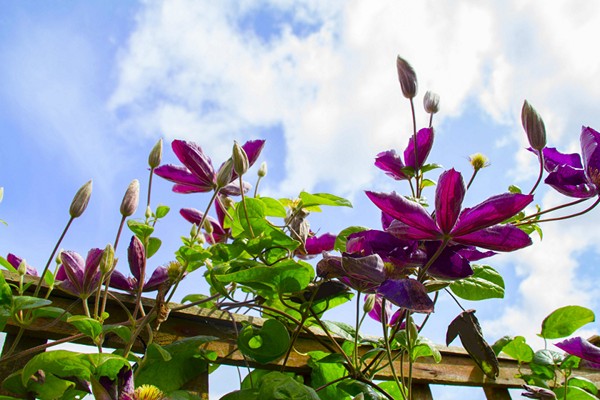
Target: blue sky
x=86 y=89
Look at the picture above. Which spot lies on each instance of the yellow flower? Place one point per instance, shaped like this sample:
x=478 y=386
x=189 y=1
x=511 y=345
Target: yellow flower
x=149 y=392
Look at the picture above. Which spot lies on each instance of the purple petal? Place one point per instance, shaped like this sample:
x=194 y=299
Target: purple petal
x=376 y=311
x=403 y=231
x=319 y=244
x=553 y=158
x=159 y=276
x=233 y=189
x=407 y=293
x=119 y=281
x=330 y=267
x=92 y=269
x=401 y=253
x=498 y=237
x=472 y=254
x=74 y=268
x=178 y=174
x=408 y=212
x=424 y=145
x=490 y=212
x=591 y=154
x=391 y=163
x=367 y=271
x=192 y=156
x=581 y=348
x=187 y=189
x=253 y=149
x=571 y=182
x=69 y=287
x=449 y=196
x=451 y=264
x=15 y=261
x=386 y=220
x=136 y=256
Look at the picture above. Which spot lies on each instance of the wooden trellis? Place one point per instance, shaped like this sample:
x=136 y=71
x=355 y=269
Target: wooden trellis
x=456 y=367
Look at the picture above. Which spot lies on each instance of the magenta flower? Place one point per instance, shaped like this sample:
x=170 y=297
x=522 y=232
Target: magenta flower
x=197 y=173
x=478 y=226
x=390 y=162
x=568 y=175
x=136 y=256
x=15 y=261
x=78 y=276
x=583 y=349
x=219 y=234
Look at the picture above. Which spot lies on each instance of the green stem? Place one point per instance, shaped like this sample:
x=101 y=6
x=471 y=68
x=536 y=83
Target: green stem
x=564 y=217
x=387 y=348
x=573 y=203
x=39 y=285
x=475 y=171
x=245 y=207
x=541 y=173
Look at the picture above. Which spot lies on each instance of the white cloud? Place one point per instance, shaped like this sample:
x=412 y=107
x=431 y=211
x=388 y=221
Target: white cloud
x=188 y=71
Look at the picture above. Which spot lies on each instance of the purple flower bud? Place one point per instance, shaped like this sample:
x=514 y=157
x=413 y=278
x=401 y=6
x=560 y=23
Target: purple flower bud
x=240 y=159
x=131 y=199
x=407 y=78
x=155 y=156
x=534 y=126
x=81 y=200
x=431 y=102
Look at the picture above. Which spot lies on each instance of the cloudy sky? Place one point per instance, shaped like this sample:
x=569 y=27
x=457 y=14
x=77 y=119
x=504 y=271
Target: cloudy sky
x=86 y=89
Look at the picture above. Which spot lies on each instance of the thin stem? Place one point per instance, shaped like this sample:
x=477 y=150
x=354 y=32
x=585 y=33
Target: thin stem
x=39 y=285
x=256 y=187
x=564 y=217
x=431 y=120
x=417 y=166
x=333 y=341
x=40 y=348
x=195 y=303
x=455 y=299
x=475 y=171
x=149 y=187
x=388 y=350
x=357 y=327
x=541 y=173
x=245 y=207
x=573 y=203
x=121 y=224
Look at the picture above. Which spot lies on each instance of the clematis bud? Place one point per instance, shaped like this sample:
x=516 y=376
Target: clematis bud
x=22 y=270
x=208 y=228
x=369 y=303
x=107 y=261
x=148 y=212
x=479 y=161
x=240 y=159
x=407 y=78
x=131 y=199
x=81 y=200
x=534 y=126
x=194 y=231
x=225 y=173
x=155 y=156
x=431 y=102
x=227 y=202
x=262 y=171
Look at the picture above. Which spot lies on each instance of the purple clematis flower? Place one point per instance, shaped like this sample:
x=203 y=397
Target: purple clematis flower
x=568 y=175
x=583 y=349
x=367 y=274
x=78 y=276
x=197 y=173
x=219 y=234
x=477 y=226
x=377 y=311
x=136 y=256
x=455 y=260
x=390 y=162
x=15 y=261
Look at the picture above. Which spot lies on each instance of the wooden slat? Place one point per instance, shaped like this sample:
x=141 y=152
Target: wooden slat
x=496 y=393
x=421 y=392
x=456 y=367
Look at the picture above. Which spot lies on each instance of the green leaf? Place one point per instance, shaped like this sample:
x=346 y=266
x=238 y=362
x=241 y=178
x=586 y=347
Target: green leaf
x=192 y=298
x=277 y=385
x=324 y=373
x=392 y=389
x=153 y=246
x=547 y=357
x=255 y=210
x=354 y=388
x=323 y=199
x=427 y=183
x=6 y=296
x=4 y=262
x=273 y=207
x=141 y=230
x=485 y=283
x=430 y=167
x=158 y=350
x=187 y=361
x=514 y=189
x=573 y=393
x=61 y=363
x=162 y=211
x=244 y=394
x=341 y=329
x=517 y=349
x=425 y=348
x=86 y=325
x=28 y=303
x=264 y=344
x=565 y=320
x=342 y=237
x=583 y=383
x=124 y=332
x=51 y=387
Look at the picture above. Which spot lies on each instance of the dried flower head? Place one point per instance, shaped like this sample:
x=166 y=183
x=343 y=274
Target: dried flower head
x=155 y=156
x=131 y=199
x=534 y=126
x=81 y=200
x=479 y=161
x=174 y=269
x=431 y=102
x=407 y=78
